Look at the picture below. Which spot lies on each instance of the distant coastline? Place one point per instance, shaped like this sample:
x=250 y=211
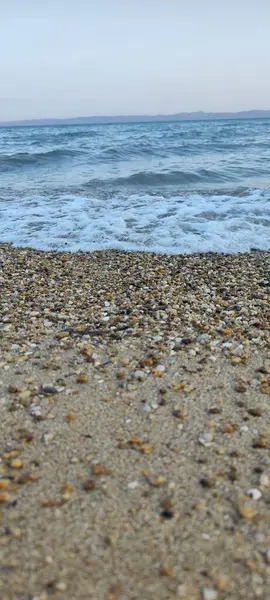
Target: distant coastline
x=193 y=116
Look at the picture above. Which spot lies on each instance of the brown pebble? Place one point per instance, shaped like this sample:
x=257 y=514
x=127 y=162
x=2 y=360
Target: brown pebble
x=25 y=437
x=99 y=470
x=255 y=412
x=180 y=413
x=154 y=481
x=236 y=360
x=14 y=389
x=69 y=418
x=16 y=463
x=52 y=503
x=178 y=386
x=247 y=508
x=122 y=445
x=167 y=508
x=89 y=485
x=241 y=388
x=228 y=428
x=120 y=375
x=4 y=497
x=165 y=571
x=146 y=449
x=62 y=334
x=232 y=474
x=66 y=491
x=261 y=442
x=213 y=410
x=11 y=454
x=82 y=379
x=4 y=484
x=265 y=389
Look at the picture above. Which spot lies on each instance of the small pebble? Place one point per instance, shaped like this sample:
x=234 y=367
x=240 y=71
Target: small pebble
x=241 y=388
x=206 y=439
x=247 y=508
x=49 y=389
x=264 y=480
x=35 y=411
x=4 y=497
x=16 y=463
x=140 y=375
x=133 y=485
x=255 y=494
x=61 y=586
x=4 y=484
x=208 y=594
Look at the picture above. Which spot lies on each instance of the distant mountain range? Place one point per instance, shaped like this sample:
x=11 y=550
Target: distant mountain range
x=193 y=116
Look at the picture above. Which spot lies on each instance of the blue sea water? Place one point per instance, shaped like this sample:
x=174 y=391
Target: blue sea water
x=167 y=187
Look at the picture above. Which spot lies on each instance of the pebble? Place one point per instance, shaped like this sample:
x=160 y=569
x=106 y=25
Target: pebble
x=16 y=463
x=254 y=493
x=61 y=586
x=264 y=480
x=4 y=484
x=140 y=375
x=208 y=594
x=247 y=508
x=241 y=388
x=159 y=369
x=206 y=439
x=35 y=411
x=49 y=389
x=133 y=485
x=4 y=497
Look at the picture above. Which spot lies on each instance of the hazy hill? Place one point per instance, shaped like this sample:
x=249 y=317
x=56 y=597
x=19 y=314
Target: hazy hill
x=193 y=116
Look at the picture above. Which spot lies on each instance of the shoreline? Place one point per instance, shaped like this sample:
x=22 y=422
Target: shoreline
x=135 y=425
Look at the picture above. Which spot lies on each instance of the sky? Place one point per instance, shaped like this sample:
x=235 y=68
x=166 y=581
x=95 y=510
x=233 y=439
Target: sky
x=68 y=58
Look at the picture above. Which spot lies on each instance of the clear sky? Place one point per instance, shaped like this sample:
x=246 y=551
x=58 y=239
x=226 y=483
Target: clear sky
x=61 y=58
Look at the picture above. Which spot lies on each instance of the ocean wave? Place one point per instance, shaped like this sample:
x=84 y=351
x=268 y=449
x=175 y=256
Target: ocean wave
x=154 y=179
x=186 y=223
x=24 y=159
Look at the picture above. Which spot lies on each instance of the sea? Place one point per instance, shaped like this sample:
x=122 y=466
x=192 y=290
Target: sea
x=172 y=187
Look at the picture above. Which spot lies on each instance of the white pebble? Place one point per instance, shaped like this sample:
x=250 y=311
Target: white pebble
x=47 y=323
x=133 y=485
x=139 y=375
x=208 y=594
x=254 y=493
x=160 y=368
x=205 y=439
x=35 y=411
x=61 y=586
x=244 y=429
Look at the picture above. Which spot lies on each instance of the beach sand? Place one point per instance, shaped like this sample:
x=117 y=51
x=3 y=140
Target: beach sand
x=135 y=430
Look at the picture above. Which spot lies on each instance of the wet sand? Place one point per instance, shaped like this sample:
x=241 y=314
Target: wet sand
x=135 y=430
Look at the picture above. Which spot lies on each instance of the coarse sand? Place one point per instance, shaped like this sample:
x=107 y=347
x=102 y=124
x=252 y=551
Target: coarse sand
x=135 y=430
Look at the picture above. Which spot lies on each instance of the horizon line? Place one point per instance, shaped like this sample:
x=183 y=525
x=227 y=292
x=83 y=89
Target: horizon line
x=118 y=118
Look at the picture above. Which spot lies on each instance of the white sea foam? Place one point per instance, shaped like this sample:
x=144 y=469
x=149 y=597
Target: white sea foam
x=191 y=223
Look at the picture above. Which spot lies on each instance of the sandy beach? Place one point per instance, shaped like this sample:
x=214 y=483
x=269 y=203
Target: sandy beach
x=135 y=430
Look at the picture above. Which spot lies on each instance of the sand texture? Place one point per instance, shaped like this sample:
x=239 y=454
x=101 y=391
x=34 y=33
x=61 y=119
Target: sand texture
x=135 y=430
